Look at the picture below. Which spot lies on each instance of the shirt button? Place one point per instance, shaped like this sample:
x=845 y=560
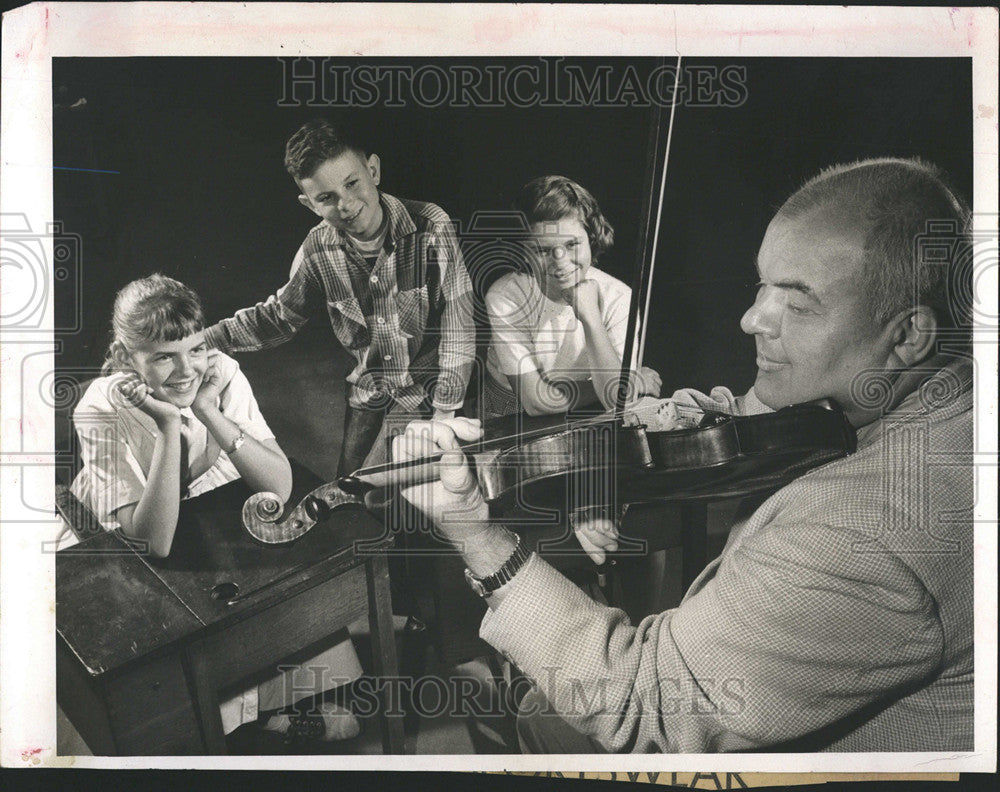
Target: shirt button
x=381 y=320
x=374 y=279
x=387 y=357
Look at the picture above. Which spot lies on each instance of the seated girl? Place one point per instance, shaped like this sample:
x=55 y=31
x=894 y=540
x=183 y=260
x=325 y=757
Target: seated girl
x=558 y=328
x=172 y=420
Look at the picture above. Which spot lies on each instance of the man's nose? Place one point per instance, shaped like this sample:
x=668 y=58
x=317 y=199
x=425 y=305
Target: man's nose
x=763 y=317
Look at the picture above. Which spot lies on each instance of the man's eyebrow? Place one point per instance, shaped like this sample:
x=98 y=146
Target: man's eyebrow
x=800 y=286
x=794 y=285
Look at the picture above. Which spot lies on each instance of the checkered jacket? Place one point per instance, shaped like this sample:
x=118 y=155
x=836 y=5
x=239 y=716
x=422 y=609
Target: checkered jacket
x=839 y=616
x=420 y=296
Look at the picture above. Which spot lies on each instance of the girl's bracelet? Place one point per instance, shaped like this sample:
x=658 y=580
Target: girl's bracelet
x=237 y=443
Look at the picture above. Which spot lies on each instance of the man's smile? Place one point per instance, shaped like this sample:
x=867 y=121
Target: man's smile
x=765 y=363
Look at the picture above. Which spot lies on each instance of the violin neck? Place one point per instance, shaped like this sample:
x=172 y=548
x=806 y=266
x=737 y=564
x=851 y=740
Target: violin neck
x=392 y=475
x=425 y=469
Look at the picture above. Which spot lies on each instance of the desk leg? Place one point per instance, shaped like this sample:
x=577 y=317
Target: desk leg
x=206 y=699
x=384 y=653
x=694 y=542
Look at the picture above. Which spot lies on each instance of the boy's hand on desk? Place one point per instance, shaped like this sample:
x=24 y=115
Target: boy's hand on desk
x=442 y=415
x=136 y=394
x=453 y=501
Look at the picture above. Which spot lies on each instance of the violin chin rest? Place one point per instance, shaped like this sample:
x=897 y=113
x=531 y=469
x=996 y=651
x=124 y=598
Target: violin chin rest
x=824 y=403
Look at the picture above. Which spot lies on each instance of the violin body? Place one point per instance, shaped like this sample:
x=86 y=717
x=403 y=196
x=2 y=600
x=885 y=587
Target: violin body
x=738 y=455
x=588 y=452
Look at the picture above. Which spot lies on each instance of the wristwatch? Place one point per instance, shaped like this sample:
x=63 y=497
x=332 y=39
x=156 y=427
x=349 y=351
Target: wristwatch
x=484 y=587
x=237 y=443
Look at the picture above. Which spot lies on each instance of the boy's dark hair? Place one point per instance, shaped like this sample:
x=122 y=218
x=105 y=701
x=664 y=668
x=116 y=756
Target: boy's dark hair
x=553 y=198
x=316 y=142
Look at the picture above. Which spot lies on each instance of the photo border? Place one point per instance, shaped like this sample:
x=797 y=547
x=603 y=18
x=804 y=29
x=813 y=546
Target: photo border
x=32 y=35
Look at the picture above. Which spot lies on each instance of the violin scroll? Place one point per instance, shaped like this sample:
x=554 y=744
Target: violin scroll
x=263 y=511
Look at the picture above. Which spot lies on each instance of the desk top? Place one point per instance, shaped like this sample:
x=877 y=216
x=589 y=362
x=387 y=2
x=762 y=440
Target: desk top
x=115 y=605
x=111 y=608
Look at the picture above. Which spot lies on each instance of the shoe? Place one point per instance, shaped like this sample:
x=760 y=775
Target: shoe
x=414 y=625
x=329 y=724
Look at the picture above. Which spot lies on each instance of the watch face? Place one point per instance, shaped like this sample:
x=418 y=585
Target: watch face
x=476 y=585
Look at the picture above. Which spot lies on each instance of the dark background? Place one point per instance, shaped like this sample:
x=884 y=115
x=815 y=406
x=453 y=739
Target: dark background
x=197 y=188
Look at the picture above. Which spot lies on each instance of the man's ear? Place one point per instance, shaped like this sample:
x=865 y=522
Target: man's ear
x=375 y=168
x=304 y=200
x=914 y=335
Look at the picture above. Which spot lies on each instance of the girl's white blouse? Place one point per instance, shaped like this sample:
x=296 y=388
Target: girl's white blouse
x=117 y=442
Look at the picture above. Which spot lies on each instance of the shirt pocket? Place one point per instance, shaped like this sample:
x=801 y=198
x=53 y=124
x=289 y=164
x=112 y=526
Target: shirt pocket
x=413 y=306
x=348 y=323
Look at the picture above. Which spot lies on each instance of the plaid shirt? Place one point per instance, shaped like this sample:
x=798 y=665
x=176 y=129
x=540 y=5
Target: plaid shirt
x=839 y=616
x=390 y=318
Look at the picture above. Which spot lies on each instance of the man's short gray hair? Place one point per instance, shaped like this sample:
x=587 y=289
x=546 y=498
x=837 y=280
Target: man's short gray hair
x=899 y=202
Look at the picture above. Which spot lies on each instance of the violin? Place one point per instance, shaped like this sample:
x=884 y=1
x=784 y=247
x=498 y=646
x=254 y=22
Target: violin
x=725 y=456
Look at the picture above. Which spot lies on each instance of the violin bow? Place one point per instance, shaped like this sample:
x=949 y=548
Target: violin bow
x=653 y=196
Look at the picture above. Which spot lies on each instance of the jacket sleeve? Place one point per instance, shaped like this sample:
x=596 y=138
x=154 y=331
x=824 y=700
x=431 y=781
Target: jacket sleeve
x=793 y=633
x=457 y=347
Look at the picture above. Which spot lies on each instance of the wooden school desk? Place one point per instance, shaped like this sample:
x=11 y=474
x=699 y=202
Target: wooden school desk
x=145 y=645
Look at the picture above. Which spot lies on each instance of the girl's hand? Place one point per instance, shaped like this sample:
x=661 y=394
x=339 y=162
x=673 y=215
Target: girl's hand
x=136 y=394
x=585 y=298
x=207 y=397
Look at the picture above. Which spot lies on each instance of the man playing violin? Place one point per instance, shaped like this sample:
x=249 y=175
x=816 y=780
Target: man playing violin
x=839 y=616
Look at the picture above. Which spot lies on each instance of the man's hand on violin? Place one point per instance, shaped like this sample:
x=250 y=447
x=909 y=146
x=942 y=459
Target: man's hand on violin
x=453 y=501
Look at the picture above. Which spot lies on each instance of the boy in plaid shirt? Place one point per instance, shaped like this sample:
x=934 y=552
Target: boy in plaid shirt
x=390 y=276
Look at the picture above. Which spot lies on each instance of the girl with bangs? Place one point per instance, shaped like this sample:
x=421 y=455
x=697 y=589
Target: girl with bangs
x=171 y=420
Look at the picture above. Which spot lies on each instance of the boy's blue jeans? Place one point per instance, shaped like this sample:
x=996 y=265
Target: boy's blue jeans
x=367 y=433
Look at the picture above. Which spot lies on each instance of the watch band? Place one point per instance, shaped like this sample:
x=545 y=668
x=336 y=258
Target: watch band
x=485 y=586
